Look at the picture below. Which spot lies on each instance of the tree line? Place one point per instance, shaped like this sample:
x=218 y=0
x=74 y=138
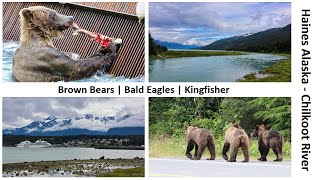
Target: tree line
x=279 y=46
x=13 y=140
x=168 y=116
x=155 y=48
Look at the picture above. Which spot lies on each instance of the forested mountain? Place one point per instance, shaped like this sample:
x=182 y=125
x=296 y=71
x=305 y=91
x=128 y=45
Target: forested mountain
x=271 y=40
x=155 y=48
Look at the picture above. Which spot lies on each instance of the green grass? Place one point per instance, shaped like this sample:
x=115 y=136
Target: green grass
x=132 y=172
x=279 y=72
x=176 y=147
x=178 y=54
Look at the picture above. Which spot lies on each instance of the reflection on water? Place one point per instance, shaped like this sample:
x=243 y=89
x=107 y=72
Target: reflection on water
x=10 y=47
x=209 y=69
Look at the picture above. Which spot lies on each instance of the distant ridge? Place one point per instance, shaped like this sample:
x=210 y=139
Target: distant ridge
x=174 y=45
x=271 y=40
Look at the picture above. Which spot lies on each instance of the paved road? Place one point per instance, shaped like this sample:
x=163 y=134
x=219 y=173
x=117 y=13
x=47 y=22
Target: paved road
x=220 y=168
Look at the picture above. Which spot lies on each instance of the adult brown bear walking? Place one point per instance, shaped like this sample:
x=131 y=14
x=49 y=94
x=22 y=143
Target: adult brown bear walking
x=268 y=139
x=37 y=59
x=199 y=138
x=235 y=138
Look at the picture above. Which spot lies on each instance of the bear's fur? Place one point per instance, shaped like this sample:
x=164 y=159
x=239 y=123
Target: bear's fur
x=235 y=137
x=268 y=139
x=199 y=138
x=38 y=60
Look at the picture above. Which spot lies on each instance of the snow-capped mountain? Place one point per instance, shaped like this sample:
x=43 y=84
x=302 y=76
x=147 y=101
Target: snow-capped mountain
x=87 y=124
x=174 y=45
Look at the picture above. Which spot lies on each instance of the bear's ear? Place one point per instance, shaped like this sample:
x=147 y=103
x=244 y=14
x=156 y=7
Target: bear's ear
x=267 y=127
x=236 y=125
x=257 y=127
x=186 y=127
x=26 y=13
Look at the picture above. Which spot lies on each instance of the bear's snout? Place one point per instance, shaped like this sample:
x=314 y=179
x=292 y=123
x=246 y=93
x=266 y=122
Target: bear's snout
x=71 y=19
x=63 y=22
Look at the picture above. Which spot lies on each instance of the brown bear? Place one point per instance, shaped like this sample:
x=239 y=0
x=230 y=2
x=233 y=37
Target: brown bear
x=37 y=59
x=199 y=138
x=268 y=139
x=235 y=138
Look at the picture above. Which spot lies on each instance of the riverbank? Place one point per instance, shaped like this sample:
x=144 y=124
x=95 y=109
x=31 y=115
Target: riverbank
x=278 y=72
x=190 y=53
x=65 y=168
x=132 y=172
x=120 y=147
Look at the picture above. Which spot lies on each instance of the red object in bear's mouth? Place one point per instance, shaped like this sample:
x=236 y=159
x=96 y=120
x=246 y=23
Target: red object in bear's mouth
x=104 y=41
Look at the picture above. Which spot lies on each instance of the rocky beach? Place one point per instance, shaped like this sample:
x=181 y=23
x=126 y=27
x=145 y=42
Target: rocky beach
x=75 y=168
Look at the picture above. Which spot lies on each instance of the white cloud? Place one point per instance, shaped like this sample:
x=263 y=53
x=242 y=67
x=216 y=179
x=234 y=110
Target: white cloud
x=184 y=22
x=200 y=42
x=16 y=115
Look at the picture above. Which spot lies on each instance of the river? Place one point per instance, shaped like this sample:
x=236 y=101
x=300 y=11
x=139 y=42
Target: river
x=10 y=47
x=209 y=69
x=14 y=154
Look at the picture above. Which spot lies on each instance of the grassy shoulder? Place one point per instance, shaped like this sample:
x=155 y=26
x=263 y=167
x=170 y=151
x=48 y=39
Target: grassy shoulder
x=176 y=147
x=278 y=72
x=178 y=54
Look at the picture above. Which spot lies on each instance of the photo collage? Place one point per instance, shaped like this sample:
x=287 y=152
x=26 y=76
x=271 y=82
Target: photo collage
x=157 y=89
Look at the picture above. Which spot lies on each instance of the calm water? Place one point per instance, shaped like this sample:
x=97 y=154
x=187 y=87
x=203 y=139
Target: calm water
x=209 y=69
x=13 y=154
x=10 y=47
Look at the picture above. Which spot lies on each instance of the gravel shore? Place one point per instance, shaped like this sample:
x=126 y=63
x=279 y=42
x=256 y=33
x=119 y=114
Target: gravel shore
x=92 y=167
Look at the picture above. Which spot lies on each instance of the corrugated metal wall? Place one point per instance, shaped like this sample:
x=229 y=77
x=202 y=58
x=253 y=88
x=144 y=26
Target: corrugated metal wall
x=114 y=19
x=121 y=7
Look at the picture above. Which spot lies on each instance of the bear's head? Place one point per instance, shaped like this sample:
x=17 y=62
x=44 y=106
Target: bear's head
x=188 y=129
x=235 y=124
x=257 y=130
x=41 y=22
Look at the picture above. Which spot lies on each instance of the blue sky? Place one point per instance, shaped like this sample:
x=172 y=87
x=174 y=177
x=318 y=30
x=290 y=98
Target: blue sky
x=204 y=23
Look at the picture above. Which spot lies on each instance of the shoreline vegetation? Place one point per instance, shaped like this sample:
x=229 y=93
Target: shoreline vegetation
x=99 y=147
x=190 y=53
x=92 y=167
x=83 y=141
x=277 y=72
